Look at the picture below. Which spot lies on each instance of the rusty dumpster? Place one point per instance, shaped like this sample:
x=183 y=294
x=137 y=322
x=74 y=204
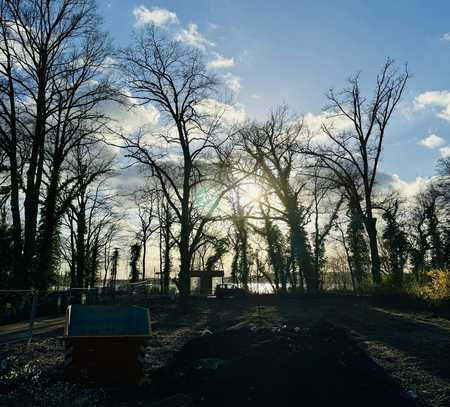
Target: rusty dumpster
x=105 y=343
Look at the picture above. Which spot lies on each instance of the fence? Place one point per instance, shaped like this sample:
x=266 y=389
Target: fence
x=18 y=305
x=26 y=305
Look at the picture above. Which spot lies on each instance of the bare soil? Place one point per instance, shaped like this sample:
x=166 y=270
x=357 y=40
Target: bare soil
x=336 y=351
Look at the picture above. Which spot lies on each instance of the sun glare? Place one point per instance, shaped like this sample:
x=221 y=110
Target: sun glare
x=251 y=193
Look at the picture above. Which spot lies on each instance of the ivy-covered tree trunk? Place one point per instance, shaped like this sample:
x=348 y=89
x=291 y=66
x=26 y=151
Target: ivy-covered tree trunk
x=47 y=253
x=357 y=248
x=437 y=249
x=396 y=244
x=301 y=250
x=135 y=254
x=278 y=255
x=235 y=264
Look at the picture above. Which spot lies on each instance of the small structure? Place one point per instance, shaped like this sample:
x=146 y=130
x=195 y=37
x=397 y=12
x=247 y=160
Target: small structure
x=206 y=279
x=105 y=343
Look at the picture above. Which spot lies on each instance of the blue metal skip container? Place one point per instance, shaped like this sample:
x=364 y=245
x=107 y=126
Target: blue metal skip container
x=105 y=343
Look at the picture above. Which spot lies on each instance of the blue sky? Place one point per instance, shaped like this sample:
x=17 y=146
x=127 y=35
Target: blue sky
x=294 y=51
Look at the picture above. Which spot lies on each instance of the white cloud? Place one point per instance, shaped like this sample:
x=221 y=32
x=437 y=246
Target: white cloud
x=193 y=37
x=18 y=51
x=128 y=119
x=439 y=99
x=446 y=37
x=221 y=62
x=229 y=113
x=132 y=119
x=445 y=152
x=432 y=141
x=232 y=82
x=313 y=122
x=411 y=188
x=155 y=15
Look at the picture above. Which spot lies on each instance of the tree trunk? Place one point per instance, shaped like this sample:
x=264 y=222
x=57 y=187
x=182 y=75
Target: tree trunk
x=184 y=280
x=20 y=278
x=244 y=266
x=33 y=184
x=374 y=253
x=167 y=265
x=184 y=277
x=73 y=264
x=94 y=262
x=105 y=278
x=144 y=254
x=81 y=229
x=349 y=263
x=302 y=253
x=47 y=233
x=184 y=283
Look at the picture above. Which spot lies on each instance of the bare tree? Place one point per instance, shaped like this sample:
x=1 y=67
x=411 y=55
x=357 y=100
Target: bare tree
x=147 y=212
x=166 y=220
x=90 y=216
x=274 y=148
x=50 y=69
x=352 y=157
x=76 y=120
x=174 y=79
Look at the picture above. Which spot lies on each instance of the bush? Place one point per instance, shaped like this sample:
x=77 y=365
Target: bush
x=433 y=288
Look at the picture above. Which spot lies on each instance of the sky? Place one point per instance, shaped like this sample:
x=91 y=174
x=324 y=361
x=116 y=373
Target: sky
x=273 y=52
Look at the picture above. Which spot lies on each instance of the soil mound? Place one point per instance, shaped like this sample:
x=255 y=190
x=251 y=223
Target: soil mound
x=280 y=366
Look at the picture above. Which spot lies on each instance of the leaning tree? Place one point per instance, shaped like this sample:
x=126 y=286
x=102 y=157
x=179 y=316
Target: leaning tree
x=351 y=156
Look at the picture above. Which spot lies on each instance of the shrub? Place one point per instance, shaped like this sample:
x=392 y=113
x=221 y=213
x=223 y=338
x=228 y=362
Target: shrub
x=433 y=288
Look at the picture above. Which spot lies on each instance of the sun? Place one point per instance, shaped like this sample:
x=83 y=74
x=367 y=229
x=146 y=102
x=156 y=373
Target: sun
x=251 y=193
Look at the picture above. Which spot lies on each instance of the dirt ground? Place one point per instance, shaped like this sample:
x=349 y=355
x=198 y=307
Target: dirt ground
x=413 y=348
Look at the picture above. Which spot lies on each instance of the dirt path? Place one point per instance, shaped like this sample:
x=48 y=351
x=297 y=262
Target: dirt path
x=20 y=331
x=413 y=347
